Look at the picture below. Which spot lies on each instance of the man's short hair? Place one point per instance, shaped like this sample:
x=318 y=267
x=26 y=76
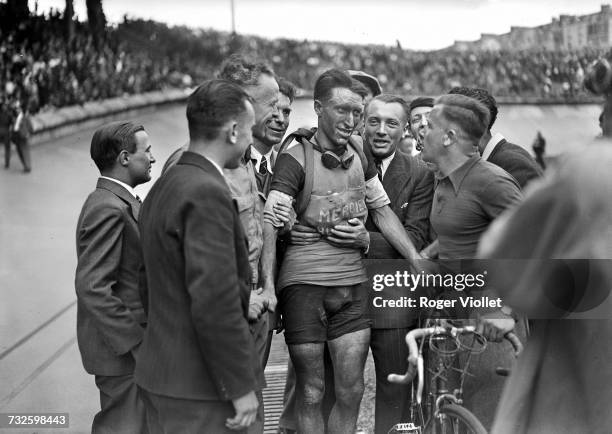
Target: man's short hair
x=368 y=80
x=331 y=79
x=109 y=140
x=243 y=70
x=481 y=95
x=286 y=88
x=389 y=98
x=421 y=101
x=468 y=113
x=211 y=105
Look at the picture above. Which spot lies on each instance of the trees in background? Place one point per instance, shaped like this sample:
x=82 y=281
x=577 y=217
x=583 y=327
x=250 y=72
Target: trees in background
x=97 y=21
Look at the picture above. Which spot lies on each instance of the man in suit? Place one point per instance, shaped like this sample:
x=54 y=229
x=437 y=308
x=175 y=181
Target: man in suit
x=409 y=185
x=110 y=316
x=496 y=149
x=198 y=369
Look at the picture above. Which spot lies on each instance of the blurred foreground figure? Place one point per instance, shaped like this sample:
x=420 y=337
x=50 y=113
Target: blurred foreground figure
x=561 y=383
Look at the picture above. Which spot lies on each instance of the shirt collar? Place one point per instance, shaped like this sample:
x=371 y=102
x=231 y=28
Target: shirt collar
x=216 y=166
x=491 y=144
x=123 y=184
x=385 y=162
x=457 y=176
x=256 y=155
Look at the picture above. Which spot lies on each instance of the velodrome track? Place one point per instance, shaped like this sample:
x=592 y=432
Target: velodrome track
x=40 y=367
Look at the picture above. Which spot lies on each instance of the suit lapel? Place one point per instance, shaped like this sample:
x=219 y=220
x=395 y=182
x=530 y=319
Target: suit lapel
x=122 y=193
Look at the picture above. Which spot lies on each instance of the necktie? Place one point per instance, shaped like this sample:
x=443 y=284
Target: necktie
x=379 y=169
x=263 y=166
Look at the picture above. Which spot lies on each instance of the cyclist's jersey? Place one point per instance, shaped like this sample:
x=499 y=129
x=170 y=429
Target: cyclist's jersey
x=337 y=196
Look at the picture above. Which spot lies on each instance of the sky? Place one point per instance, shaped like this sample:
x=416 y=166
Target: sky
x=416 y=24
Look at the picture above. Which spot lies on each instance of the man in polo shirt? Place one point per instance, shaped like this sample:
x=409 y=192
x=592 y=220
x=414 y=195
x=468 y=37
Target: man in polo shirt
x=495 y=148
x=319 y=284
x=470 y=194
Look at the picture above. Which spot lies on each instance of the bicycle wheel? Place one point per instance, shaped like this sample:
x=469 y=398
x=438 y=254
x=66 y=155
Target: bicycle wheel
x=455 y=419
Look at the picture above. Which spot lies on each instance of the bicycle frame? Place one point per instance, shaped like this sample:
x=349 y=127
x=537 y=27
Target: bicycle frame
x=444 y=361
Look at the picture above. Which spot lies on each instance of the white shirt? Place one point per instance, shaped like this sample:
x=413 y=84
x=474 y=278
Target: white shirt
x=384 y=164
x=122 y=184
x=256 y=155
x=491 y=144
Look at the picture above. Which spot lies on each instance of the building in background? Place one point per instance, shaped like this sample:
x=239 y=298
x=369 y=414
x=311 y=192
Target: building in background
x=568 y=32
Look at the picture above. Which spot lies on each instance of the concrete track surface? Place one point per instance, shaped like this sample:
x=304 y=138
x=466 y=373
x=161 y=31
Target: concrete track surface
x=40 y=367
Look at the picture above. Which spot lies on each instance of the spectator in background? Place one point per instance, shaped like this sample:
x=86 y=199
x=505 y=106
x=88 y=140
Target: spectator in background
x=495 y=148
x=370 y=82
x=539 y=149
x=419 y=109
x=287 y=95
x=372 y=87
x=22 y=130
x=6 y=121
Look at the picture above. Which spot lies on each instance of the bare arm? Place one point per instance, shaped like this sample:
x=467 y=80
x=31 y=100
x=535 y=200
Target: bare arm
x=268 y=257
x=272 y=224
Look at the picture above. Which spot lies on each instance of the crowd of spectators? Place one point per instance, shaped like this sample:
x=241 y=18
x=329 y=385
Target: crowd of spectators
x=41 y=64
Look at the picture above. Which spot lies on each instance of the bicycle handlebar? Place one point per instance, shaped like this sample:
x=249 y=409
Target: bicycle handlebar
x=415 y=359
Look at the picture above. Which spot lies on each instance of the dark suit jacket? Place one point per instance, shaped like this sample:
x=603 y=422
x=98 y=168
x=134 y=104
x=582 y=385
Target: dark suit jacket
x=197 y=344
x=409 y=185
x=109 y=313
x=516 y=161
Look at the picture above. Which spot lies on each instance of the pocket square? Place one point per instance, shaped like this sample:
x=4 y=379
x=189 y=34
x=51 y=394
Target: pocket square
x=404 y=205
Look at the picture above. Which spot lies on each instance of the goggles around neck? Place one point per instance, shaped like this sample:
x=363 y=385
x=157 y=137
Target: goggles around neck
x=331 y=160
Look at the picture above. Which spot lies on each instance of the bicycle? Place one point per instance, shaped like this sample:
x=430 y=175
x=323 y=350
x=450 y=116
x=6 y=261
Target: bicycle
x=444 y=412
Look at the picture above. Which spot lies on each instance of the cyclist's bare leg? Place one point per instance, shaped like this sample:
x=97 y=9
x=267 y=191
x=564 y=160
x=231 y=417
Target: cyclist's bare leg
x=307 y=360
x=348 y=353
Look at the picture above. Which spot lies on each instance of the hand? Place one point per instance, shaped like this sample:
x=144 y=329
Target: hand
x=270 y=296
x=246 y=412
x=303 y=235
x=283 y=211
x=431 y=251
x=494 y=325
x=257 y=305
x=352 y=235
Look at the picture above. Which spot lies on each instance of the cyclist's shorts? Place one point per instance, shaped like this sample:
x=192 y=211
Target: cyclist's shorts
x=314 y=314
